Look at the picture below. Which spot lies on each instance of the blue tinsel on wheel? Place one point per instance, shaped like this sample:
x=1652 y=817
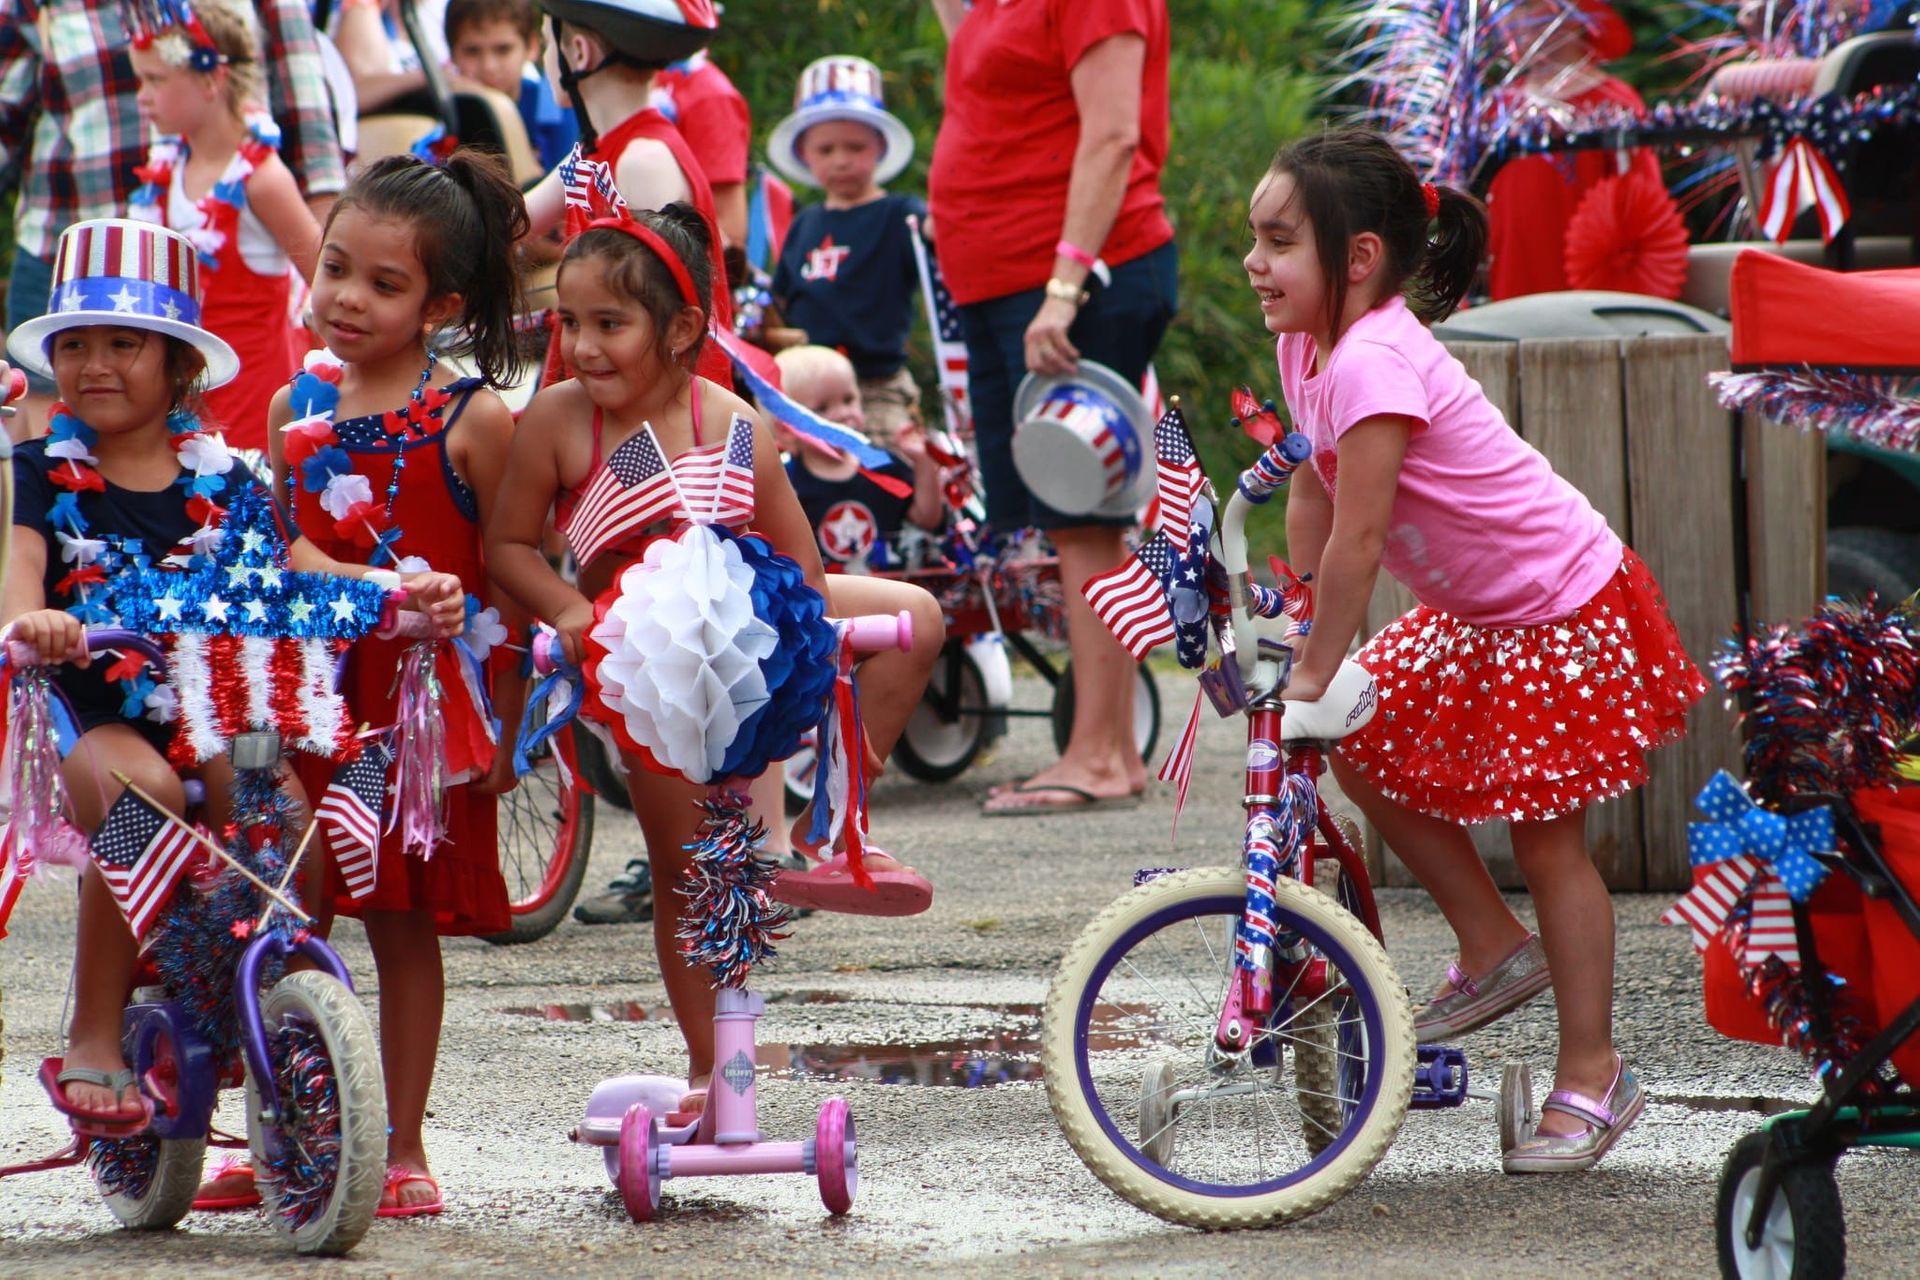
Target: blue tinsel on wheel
x=800 y=670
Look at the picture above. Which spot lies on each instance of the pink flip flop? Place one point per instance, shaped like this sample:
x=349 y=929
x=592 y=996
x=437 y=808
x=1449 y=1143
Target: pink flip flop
x=896 y=891
x=205 y=1201
x=396 y=1177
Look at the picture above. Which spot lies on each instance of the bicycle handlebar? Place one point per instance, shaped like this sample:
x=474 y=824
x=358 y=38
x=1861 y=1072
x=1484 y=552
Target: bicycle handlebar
x=1245 y=598
x=98 y=640
x=1275 y=467
x=867 y=633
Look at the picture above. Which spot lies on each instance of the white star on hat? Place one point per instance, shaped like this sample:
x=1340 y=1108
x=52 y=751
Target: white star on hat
x=122 y=301
x=170 y=309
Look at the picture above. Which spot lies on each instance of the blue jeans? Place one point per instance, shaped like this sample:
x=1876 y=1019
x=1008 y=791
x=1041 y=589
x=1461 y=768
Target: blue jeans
x=1120 y=327
x=28 y=285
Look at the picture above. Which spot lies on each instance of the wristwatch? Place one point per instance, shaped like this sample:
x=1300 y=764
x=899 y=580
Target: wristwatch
x=1066 y=291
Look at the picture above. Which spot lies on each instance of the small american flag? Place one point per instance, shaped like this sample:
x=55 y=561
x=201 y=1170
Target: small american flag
x=1180 y=474
x=1770 y=930
x=141 y=853
x=350 y=810
x=10 y=879
x=590 y=192
x=623 y=494
x=949 y=344
x=716 y=482
x=1132 y=599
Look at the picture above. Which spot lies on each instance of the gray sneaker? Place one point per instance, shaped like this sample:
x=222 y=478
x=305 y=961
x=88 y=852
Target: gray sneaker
x=628 y=898
x=1467 y=1004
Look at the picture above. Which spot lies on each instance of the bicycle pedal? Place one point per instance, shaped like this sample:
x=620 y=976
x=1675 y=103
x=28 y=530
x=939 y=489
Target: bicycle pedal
x=1439 y=1077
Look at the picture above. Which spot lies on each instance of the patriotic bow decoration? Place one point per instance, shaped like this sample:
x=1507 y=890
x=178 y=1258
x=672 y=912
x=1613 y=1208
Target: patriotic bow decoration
x=1802 y=178
x=1757 y=863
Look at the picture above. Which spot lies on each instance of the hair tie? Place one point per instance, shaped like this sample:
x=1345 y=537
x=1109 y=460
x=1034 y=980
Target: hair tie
x=655 y=241
x=1431 y=194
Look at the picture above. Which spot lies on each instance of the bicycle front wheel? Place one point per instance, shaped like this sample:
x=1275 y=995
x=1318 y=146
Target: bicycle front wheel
x=1196 y=1135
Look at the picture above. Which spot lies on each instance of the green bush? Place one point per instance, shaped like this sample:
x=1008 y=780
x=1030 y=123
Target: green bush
x=1240 y=85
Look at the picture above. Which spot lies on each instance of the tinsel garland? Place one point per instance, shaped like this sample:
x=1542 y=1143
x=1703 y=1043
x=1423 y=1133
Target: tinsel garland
x=730 y=924
x=123 y=1166
x=35 y=795
x=1829 y=702
x=420 y=752
x=302 y=1171
x=1880 y=411
x=1820 y=1027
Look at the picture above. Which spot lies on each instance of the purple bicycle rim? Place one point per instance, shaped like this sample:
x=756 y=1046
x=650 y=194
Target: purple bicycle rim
x=253 y=1026
x=1227 y=906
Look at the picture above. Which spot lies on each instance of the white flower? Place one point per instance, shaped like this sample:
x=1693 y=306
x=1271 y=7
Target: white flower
x=317 y=357
x=205 y=539
x=413 y=564
x=79 y=550
x=206 y=454
x=72 y=448
x=343 y=491
x=207 y=240
x=162 y=704
x=484 y=632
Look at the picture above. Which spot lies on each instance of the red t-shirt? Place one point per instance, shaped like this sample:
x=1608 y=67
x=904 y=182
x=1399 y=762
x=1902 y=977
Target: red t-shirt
x=998 y=186
x=709 y=113
x=1532 y=199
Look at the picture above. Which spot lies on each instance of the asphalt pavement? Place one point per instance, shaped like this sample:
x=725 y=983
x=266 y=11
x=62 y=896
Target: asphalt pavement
x=927 y=1026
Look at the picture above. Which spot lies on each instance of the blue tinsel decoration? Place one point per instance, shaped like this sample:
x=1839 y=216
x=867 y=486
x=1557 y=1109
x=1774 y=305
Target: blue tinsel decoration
x=305 y=1174
x=730 y=924
x=123 y=1166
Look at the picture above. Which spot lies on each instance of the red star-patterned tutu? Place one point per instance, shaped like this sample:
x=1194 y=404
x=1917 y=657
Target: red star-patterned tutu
x=1484 y=723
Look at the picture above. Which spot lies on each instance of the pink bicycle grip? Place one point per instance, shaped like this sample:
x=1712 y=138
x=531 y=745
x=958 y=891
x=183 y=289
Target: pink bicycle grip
x=16 y=386
x=397 y=622
x=874 y=632
x=548 y=656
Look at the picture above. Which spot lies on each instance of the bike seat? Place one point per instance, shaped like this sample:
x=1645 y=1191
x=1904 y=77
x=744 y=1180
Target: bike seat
x=1346 y=706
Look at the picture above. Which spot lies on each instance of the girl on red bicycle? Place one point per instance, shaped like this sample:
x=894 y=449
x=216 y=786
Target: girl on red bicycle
x=1540 y=665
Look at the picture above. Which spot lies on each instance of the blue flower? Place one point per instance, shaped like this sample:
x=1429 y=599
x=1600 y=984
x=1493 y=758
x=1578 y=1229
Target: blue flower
x=65 y=512
x=326 y=462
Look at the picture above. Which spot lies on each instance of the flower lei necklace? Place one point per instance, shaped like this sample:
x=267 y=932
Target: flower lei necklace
x=313 y=446
x=219 y=208
x=205 y=461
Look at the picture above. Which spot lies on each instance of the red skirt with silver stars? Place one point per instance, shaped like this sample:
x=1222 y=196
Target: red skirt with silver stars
x=1531 y=723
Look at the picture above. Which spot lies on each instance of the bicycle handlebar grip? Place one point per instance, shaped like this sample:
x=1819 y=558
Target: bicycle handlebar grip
x=16 y=386
x=98 y=640
x=397 y=622
x=1274 y=467
x=875 y=632
x=548 y=657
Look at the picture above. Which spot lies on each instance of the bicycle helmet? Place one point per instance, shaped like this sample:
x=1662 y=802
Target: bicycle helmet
x=651 y=32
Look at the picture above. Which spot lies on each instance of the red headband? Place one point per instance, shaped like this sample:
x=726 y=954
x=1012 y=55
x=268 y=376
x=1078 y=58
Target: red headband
x=655 y=241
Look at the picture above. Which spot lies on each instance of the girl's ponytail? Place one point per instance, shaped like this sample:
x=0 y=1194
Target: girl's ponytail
x=492 y=296
x=1451 y=263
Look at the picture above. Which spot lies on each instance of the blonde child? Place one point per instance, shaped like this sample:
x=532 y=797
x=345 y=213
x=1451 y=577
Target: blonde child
x=1540 y=665
x=213 y=174
x=633 y=317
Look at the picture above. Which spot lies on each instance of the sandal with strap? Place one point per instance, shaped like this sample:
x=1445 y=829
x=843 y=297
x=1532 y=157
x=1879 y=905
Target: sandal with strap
x=898 y=890
x=397 y=1175
x=1468 y=1003
x=122 y=1122
x=206 y=1200
x=1605 y=1121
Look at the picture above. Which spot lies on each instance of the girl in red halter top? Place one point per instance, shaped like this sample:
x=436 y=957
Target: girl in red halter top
x=633 y=320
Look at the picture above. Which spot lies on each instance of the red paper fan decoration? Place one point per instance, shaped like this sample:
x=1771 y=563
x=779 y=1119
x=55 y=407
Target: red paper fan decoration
x=1627 y=236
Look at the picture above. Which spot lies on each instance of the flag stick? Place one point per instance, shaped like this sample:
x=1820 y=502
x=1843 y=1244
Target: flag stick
x=210 y=843
x=300 y=851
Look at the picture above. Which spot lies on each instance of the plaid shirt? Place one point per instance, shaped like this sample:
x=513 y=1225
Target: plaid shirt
x=65 y=62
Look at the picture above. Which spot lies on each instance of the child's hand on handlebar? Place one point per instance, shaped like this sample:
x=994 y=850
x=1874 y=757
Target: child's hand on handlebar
x=442 y=598
x=571 y=626
x=54 y=634
x=1304 y=686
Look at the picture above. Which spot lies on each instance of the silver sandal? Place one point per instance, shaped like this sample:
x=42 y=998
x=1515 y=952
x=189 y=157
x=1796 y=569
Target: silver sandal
x=1472 y=1003
x=1605 y=1120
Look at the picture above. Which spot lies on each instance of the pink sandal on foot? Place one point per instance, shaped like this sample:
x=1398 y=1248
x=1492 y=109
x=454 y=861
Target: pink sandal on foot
x=897 y=890
x=206 y=1200
x=398 y=1176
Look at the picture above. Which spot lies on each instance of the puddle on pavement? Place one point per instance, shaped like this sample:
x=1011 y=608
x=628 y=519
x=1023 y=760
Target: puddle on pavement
x=1006 y=1055
x=1745 y=1104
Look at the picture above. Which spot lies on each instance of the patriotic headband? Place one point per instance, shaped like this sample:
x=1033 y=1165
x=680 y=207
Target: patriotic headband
x=170 y=28
x=655 y=241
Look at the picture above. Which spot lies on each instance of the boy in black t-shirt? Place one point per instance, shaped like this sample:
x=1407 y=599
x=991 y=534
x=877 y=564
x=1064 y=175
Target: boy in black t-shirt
x=854 y=520
x=846 y=272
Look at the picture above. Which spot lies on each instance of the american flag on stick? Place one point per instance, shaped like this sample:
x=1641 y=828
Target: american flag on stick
x=1132 y=599
x=623 y=493
x=141 y=853
x=943 y=324
x=1181 y=479
x=590 y=191
x=716 y=480
x=350 y=811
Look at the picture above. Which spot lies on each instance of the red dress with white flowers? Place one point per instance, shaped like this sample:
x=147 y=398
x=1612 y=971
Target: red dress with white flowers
x=439 y=521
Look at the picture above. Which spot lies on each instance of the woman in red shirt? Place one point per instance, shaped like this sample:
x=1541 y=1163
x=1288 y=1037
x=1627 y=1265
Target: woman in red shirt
x=1049 y=157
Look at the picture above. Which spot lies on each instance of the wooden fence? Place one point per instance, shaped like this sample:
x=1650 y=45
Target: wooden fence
x=1632 y=423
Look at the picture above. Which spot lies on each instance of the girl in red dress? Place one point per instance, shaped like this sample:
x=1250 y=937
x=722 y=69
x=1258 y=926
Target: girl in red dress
x=389 y=458
x=213 y=175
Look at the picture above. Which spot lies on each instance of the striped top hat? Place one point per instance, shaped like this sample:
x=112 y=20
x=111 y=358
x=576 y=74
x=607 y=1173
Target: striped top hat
x=1079 y=442
x=131 y=275
x=841 y=87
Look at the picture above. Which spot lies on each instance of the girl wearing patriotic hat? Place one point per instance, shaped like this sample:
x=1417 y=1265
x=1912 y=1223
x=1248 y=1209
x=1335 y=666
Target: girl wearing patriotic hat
x=128 y=473
x=1539 y=667
x=213 y=174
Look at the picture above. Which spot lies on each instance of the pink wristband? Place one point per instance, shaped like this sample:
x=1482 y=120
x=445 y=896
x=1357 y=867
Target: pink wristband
x=1074 y=253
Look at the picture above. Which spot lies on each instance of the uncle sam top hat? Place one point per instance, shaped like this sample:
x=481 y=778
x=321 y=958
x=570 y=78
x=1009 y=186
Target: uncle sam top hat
x=133 y=275
x=841 y=87
x=1081 y=442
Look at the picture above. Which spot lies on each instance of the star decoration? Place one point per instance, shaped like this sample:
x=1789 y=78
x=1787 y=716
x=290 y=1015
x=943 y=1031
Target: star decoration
x=123 y=301
x=342 y=608
x=167 y=608
x=215 y=609
x=256 y=610
x=300 y=611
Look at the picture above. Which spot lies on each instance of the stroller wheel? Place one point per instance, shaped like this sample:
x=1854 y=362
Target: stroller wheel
x=1803 y=1234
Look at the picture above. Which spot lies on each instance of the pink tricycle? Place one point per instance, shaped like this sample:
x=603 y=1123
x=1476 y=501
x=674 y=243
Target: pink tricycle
x=635 y=1119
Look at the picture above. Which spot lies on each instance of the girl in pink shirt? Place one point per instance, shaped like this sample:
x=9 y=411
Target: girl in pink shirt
x=1540 y=665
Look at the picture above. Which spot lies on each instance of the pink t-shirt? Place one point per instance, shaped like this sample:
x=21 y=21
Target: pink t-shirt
x=1482 y=527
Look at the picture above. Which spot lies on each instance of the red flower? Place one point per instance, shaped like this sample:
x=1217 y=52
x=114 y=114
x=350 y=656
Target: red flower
x=84 y=576
x=357 y=524
x=127 y=667
x=203 y=511
x=158 y=174
x=299 y=440
x=327 y=371
x=77 y=476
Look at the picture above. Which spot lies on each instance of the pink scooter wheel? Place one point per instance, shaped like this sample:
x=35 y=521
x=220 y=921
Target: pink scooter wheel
x=835 y=1156
x=639 y=1185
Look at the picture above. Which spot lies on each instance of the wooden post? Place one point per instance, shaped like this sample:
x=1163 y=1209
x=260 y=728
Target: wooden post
x=1786 y=519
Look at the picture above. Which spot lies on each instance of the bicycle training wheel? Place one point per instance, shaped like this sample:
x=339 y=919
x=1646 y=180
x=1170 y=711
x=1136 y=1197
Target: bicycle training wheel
x=331 y=1132
x=949 y=727
x=1175 y=1125
x=546 y=835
